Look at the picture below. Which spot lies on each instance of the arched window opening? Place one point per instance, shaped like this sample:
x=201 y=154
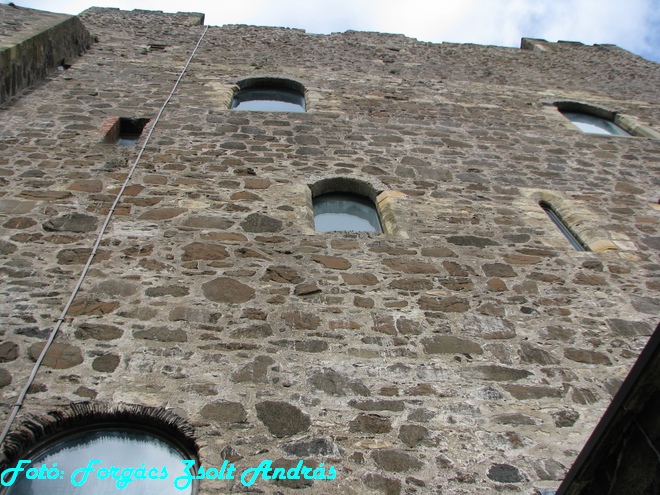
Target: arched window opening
x=590 y=118
x=572 y=238
x=593 y=124
x=269 y=95
x=338 y=211
x=119 y=447
x=345 y=204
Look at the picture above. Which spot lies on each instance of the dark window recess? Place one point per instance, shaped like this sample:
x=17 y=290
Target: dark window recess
x=573 y=239
x=63 y=65
x=126 y=131
x=269 y=99
x=592 y=124
x=345 y=212
x=115 y=447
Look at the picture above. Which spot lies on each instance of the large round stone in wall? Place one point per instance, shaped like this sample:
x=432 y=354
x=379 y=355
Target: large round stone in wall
x=227 y=290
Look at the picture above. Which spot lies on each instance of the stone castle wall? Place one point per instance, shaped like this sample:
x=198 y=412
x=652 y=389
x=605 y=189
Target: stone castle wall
x=471 y=350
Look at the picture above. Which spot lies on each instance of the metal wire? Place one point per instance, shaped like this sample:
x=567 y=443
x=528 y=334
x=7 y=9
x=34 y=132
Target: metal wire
x=60 y=320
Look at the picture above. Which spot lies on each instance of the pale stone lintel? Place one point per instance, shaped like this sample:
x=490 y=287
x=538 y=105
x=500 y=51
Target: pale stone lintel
x=631 y=125
x=580 y=221
x=385 y=203
x=602 y=245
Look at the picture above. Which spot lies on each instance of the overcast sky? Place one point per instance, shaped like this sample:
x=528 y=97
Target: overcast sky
x=631 y=24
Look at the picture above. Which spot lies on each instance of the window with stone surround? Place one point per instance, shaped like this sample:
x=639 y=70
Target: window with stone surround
x=353 y=205
x=571 y=236
x=269 y=94
x=593 y=119
x=127 y=436
x=340 y=211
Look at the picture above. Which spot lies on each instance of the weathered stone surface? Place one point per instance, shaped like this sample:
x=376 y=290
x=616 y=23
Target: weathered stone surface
x=565 y=418
x=413 y=435
x=301 y=320
x=8 y=351
x=469 y=240
x=530 y=354
x=646 y=305
x=161 y=334
x=282 y=274
x=488 y=328
x=312 y=447
x=106 y=363
x=79 y=256
x=496 y=373
x=412 y=267
x=583 y=396
x=256 y=331
x=19 y=223
x=450 y=304
x=377 y=405
x=224 y=412
x=98 y=331
x=506 y=473
x=370 y=423
x=162 y=213
x=627 y=328
x=446 y=335
x=208 y=222
x=525 y=392
x=297 y=481
x=82 y=306
x=7 y=248
x=119 y=288
x=498 y=270
x=254 y=372
x=71 y=222
x=166 y=290
x=515 y=419
x=259 y=223
x=586 y=356
x=333 y=383
x=395 y=460
x=5 y=378
x=203 y=251
x=227 y=290
x=382 y=484
x=332 y=262
x=448 y=344
x=59 y=356
x=412 y=284
x=589 y=279
x=281 y=418
x=359 y=278
x=550 y=470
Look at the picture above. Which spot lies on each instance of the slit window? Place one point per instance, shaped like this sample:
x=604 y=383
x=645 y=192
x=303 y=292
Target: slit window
x=337 y=211
x=573 y=239
x=115 y=447
x=269 y=95
x=592 y=124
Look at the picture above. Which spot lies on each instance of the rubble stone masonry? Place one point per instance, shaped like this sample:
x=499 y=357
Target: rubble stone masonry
x=468 y=350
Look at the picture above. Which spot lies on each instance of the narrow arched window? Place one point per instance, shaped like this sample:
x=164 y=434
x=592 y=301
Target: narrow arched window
x=269 y=95
x=345 y=204
x=590 y=118
x=593 y=124
x=572 y=238
x=338 y=211
x=119 y=447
